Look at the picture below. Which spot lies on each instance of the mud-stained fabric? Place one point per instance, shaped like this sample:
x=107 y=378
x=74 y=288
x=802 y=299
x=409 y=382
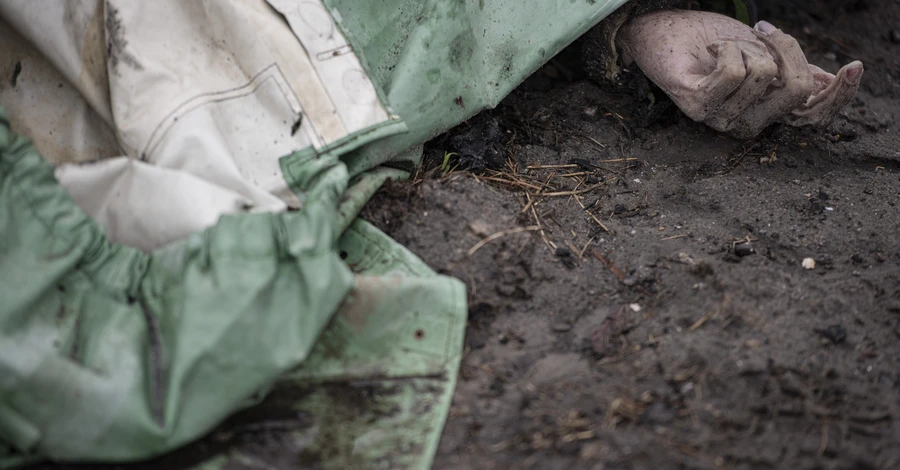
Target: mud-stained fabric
x=196 y=100
x=110 y=353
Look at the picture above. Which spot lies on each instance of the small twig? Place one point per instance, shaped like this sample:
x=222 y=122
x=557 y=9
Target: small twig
x=570 y=193
x=609 y=265
x=586 y=211
x=621 y=121
x=522 y=248
x=604 y=227
x=506 y=173
x=549 y=178
x=701 y=321
x=549 y=215
x=574 y=165
x=512 y=182
x=537 y=221
x=586 y=245
x=578 y=436
x=618 y=160
x=499 y=234
x=547 y=167
x=740 y=158
x=583 y=180
x=603 y=146
x=573 y=248
x=673 y=237
x=528 y=205
x=512 y=164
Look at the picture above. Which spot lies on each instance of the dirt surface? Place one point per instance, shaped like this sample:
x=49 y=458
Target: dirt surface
x=645 y=306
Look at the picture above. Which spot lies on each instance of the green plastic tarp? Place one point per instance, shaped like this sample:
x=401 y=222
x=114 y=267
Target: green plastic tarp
x=109 y=353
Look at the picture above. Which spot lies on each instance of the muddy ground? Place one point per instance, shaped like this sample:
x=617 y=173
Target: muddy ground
x=655 y=312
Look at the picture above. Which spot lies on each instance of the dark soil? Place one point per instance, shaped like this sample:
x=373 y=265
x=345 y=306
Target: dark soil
x=689 y=335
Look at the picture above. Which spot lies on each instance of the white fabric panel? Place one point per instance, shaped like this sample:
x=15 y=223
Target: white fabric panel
x=210 y=92
x=146 y=206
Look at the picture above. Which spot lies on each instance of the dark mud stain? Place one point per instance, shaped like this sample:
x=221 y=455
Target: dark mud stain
x=296 y=125
x=277 y=433
x=116 y=43
x=15 y=75
x=480 y=146
x=461 y=48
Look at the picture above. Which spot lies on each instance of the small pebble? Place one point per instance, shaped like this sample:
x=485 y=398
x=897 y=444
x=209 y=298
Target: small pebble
x=743 y=249
x=480 y=228
x=836 y=334
x=809 y=263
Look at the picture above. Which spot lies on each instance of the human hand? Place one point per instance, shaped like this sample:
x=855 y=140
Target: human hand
x=734 y=78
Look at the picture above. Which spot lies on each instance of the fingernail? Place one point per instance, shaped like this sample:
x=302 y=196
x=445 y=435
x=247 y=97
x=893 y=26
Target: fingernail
x=853 y=73
x=765 y=27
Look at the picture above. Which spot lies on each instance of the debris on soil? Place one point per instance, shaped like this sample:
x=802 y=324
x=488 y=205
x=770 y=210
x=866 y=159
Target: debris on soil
x=722 y=365
x=743 y=249
x=480 y=146
x=836 y=334
x=566 y=257
x=809 y=263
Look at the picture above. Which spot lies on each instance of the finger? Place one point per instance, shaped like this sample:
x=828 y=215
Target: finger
x=765 y=27
x=790 y=90
x=830 y=94
x=760 y=71
x=705 y=94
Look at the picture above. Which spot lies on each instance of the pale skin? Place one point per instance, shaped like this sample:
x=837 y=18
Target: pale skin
x=734 y=78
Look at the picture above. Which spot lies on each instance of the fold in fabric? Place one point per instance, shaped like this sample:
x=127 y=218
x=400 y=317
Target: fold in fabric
x=109 y=353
